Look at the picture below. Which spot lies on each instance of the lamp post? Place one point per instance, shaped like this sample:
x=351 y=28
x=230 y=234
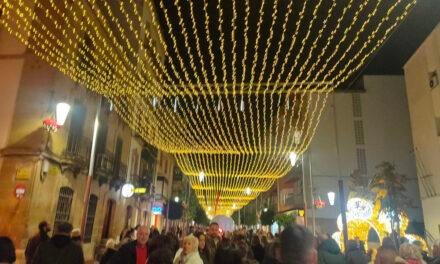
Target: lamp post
x=91 y=167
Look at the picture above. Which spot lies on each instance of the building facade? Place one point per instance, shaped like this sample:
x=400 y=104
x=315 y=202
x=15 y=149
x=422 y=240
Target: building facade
x=43 y=174
x=422 y=72
x=358 y=131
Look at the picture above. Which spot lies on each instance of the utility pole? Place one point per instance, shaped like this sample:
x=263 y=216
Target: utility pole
x=343 y=205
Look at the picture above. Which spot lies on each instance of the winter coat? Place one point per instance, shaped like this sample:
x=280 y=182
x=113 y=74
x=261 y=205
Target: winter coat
x=33 y=244
x=127 y=254
x=258 y=252
x=107 y=256
x=191 y=258
x=329 y=253
x=355 y=255
x=59 y=249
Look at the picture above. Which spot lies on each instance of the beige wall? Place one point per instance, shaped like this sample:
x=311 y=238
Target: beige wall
x=424 y=107
x=387 y=137
x=11 y=63
x=20 y=218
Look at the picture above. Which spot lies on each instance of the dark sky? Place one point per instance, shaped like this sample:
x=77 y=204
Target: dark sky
x=391 y=58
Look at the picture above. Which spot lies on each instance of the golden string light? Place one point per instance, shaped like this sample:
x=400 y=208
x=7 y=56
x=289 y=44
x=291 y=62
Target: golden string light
x=230 y=88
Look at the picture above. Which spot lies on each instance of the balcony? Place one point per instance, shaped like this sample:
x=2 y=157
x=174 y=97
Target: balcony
x=104 y=166
x=76 y=156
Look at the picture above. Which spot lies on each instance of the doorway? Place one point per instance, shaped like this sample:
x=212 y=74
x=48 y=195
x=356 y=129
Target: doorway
x=111 y=204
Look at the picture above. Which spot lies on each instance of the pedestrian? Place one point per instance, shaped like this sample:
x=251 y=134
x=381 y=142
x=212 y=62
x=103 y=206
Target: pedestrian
x=435 y=259
x=109 y=251
x=355 y=255
x=257 y=249
x=162 y=254
x=189 y=253
x=419 y=246
x=273 y=253
x=227 y=254
x=76 y=236
x=203 y=250
x=387 y=249
x=7 y=250
x=34 y=242
x=134 y=252
x=330 y=253
x=410 y=254
x=297 y=246
x=60 y=248
x=213 y=239
x=128 y=237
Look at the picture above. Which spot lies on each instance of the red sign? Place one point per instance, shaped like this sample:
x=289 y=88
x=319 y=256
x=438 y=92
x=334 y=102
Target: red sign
x=20 y=190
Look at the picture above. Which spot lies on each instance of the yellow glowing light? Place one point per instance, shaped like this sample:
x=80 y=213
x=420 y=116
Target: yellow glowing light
x=232 y=88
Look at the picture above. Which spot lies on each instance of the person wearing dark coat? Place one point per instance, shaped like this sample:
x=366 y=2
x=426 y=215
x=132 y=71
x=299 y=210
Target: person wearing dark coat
x=35 y=241
x=257 y=249
x=134 y=252
x=355 y=255
x=109 y=252
x=59 y=249
x=7 y=250
x=330 y=253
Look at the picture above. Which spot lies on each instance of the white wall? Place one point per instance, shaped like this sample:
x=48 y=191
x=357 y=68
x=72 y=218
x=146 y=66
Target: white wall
x=424 y=107
x=387 y=138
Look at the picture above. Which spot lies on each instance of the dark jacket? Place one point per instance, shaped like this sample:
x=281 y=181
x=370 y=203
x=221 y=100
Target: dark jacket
x=59 y=249
x=258 y=252
x=204 y=255
x=329 y=253
x=355 y=255
x=33 y=244
x=127 y=254
x=107 y=256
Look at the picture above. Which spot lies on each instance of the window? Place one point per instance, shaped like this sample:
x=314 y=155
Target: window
x=63 y=207
x=76 y=128
x=359 y=132
x=134 y=164
x=118 y=153
x=357 y=107
x=361 y=161
x=91 y=210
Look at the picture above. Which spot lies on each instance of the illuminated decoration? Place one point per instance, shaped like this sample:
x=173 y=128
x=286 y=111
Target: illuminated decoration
x=359 y=208
x=230 y=88
x=127 y=190
x=331 y=198
x=176 y=199
x=248 y=191
x=363 y=215
x=50 y=125
x=140 y=190
x=265 y=210
x=319 y=203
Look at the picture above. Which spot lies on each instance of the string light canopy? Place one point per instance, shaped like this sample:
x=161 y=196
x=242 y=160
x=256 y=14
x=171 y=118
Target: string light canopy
x=234 y=89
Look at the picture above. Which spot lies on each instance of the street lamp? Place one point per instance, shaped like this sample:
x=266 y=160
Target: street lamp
x=201 y=176
x=331 y=198
x=265 y=209
x=62 y=110
x=176 y=199
x=293 y=158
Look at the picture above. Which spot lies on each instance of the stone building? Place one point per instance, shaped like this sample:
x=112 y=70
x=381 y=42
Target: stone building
x=422 y=72
x=43 y=174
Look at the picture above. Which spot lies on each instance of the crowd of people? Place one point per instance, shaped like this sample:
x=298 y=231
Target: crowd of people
x=141 y=245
